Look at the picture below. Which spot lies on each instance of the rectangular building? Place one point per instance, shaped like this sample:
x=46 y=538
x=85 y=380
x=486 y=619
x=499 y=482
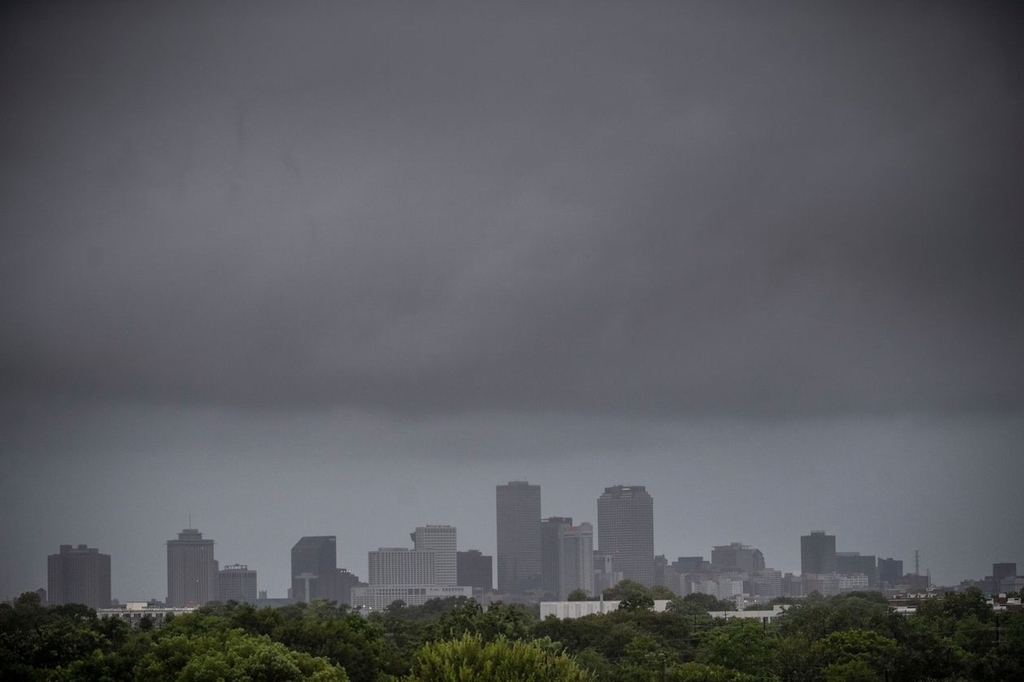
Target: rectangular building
x=314 y=561
x=401 y=566
x=518 y=531
x=236 y=582
x=377 y=597
x=475 y=569
x=625 y=531
x=441 y=541
x=78 y=575
x=576 y=559
x=817 y=553
x=191 y=570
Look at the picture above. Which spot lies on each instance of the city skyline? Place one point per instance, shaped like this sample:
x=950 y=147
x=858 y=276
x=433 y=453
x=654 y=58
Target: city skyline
x=422 y=562
x=343 y=271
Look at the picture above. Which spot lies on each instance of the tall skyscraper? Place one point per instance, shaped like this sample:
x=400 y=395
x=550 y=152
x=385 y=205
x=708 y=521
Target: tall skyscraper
x=314 y=562
x=441 y=541
x=518 y=521
x=625 y=531
x=575 y=559
x=549 y=568
x=78 y=575
x=817 y=553
x=236 y=582
x=475 y=569
x=191 y=570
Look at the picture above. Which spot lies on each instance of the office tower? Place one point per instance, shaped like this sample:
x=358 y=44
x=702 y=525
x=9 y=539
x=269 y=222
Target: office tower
x=78 y=575
x=575 y=559
x=518 y=522
x=441 y=541
x=690 y=564
x=338 y=585
x=236 y=582
x=817 y=553
x=890 y=572
x=402 y=566
x=191 y=570
x=314 y=560
x=1004 y=570
x=549 y=569
x=855 y=563
x=625 y=530
x=737 y=557
x=475 y=569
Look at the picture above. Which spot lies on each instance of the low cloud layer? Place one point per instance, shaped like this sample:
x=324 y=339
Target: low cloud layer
x=653 y=209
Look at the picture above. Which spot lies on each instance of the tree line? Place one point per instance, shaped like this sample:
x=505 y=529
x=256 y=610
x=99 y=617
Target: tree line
x=854 y=637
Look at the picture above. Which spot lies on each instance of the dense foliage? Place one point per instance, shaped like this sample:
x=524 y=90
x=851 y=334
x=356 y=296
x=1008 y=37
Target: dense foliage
x=854 y=637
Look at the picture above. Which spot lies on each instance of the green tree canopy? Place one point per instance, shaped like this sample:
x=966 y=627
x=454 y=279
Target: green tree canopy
x=471 y=659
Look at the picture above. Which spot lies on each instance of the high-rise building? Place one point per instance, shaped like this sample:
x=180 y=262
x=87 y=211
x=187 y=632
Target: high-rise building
x=855 y=563
x=817 y=553
x=236 y=582
x=549 y=568
x=737 y=557
x=518 y=526
x=314 y=561
x=78 y=575
x=690 y=564
x=441 y=541
x=1004 y=570
x=890 y=572
x=475 y=569
x=575 y=560
x=338 y=586
x=402 y=566
x=191 y=570
x=625 y=530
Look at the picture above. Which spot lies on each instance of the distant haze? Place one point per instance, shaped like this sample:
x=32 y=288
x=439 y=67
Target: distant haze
x=343 y=268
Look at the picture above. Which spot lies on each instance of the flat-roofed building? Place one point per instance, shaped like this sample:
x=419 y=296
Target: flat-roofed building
x=625 y=531
x=441 y=541
x=576 y=559
x=78 y=575
x=401 y=566
x=518 y=534
x=475 y=569
x=237 y=582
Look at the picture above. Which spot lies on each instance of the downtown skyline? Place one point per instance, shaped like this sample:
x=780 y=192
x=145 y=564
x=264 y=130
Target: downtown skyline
x=270 y=573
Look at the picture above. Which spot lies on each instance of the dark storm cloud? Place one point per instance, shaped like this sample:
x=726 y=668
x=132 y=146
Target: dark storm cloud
x=659 y=208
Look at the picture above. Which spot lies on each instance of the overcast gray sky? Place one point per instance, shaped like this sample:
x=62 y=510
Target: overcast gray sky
x=341 y=268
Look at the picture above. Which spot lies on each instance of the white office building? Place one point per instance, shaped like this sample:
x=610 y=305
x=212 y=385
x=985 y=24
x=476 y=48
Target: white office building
x=441 y=541
x=401 y=566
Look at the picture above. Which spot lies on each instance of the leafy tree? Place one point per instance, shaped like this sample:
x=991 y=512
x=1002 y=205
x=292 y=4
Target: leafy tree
x=739 y=644
x=623 y=589
x=230 y=656
x=706 y=672
x=470 y=658
x=579 y=594
x=636 y=601
x=699 y=604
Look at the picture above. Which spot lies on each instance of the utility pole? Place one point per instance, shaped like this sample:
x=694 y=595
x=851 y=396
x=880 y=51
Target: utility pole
x=917 y=562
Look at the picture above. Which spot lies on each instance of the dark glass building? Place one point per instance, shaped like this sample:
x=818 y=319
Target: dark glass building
x=314 y=562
